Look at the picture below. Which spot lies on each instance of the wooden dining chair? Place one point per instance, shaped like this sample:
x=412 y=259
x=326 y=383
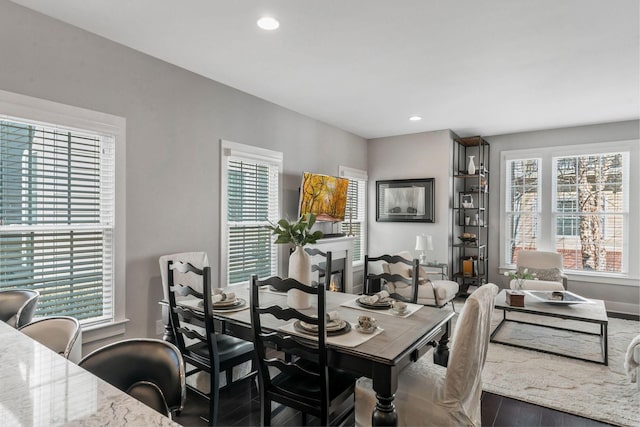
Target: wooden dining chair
x=207 y=351
x=322 y=268
x=406 y=283
x=297 y=376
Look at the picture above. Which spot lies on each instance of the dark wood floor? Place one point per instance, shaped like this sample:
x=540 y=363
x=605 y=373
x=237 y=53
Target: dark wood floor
x=240 y=406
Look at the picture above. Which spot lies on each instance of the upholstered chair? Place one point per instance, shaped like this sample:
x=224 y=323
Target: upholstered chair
x=436 y=396
x=547 y=267
x=147 y=369
x=61 y=334
x=17 y=306
x=430 y=292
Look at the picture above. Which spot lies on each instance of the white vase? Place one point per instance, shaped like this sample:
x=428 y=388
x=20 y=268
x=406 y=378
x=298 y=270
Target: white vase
x=299 y=269
x=471 y=168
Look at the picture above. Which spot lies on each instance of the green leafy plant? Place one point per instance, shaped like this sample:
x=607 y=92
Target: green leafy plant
x=298 y=232
x=521 y=276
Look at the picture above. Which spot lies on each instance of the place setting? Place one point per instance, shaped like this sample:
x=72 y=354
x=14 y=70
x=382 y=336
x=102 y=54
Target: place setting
x=382 y=302
x=339 y=331
x=222 y=300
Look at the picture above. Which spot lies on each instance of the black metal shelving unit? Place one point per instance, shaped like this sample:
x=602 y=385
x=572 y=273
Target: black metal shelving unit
x=470 y=213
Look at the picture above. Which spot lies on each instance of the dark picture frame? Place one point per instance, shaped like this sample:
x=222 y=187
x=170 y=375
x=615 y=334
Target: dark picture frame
x=405 y=200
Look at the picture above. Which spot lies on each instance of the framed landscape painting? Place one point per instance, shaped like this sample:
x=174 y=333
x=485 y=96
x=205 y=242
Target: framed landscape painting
x=405 y=200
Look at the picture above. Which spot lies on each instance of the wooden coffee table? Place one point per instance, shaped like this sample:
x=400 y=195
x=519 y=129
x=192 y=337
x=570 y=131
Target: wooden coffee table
x=589 y=313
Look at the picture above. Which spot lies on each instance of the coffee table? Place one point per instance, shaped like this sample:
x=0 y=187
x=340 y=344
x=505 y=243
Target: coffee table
x=589 y=313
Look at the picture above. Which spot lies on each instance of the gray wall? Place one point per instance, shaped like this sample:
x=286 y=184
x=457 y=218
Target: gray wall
x=619 y=295
x=419 y=155
x=175 y=120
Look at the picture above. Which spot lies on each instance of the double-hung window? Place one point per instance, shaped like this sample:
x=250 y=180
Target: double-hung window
x=572 y=200
x=57 y=210
x=354 y=223
x=250 y=200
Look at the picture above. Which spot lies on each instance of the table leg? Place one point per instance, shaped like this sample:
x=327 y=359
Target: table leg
x=605 y=342
x=385 y=413
x=441 y=354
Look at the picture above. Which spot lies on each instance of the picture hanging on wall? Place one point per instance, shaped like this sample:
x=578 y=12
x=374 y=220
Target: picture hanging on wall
x=405 y=200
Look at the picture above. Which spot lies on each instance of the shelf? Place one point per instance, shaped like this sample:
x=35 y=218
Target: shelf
x=470 y=190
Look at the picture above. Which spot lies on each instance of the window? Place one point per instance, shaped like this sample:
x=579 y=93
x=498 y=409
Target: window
x=523 y=206
x=571 y=200
x=57 y=211
x=250 y=182
x=355 y=218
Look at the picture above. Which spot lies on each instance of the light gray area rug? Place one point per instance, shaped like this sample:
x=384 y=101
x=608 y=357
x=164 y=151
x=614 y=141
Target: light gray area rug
x=590 y=390
x=587 y=389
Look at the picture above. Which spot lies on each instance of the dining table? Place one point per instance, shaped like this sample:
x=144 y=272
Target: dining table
x=399 y=340
x=42 y=388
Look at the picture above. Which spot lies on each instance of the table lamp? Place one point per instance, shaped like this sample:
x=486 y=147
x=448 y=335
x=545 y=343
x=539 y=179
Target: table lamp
x=424 y=243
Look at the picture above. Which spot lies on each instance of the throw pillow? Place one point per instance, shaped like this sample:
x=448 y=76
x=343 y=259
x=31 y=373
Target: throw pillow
x=550 y=274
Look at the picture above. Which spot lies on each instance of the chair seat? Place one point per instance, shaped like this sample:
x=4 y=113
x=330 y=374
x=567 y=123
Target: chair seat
x=228 y=348
x=298 y=387
x=418 y=409
x=446 y=290
x=538 y=285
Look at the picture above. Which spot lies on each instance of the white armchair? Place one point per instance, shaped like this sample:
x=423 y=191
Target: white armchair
x=547 y=267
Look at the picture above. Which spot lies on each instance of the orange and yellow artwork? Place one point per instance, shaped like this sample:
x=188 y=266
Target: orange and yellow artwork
x=323 y=195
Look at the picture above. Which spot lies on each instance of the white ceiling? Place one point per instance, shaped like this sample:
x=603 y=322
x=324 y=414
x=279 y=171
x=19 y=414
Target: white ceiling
x=477 y=67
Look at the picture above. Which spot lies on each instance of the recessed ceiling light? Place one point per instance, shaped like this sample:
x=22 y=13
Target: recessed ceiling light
x=415 y=118
x=268 y=23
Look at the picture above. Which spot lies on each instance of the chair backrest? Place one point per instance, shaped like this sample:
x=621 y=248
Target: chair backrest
x=323 y=269
x=61 y=334
x=150 y=370
x=194 y=311
x=398 y=271
x=197 y=259
x=470 y=342
x=539 y=259
x=302 y=350
x=17 y=306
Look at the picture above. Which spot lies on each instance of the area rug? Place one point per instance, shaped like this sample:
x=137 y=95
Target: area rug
x=599 y=392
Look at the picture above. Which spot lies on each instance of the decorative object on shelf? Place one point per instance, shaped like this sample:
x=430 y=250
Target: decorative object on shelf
x=299 y=233
x=471 y=168
x=468 y=237
x=405 y=200
x=424 y=243
x=520 y=277
x=467 y=201
x=467 y=220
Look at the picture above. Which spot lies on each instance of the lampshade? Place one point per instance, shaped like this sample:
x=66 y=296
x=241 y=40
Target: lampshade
x=424 y=243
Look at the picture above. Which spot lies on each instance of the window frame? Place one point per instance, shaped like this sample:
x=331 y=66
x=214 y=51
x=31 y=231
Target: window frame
x=234 y=149
x=549 y=217
x=358 y=175
x=24 y=108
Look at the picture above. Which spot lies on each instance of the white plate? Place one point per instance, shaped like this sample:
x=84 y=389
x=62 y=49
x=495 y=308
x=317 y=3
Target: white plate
x=333 y=325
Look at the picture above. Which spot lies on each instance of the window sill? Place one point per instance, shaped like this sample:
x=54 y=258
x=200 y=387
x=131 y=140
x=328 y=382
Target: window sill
x=100 y=332
x=609 y=278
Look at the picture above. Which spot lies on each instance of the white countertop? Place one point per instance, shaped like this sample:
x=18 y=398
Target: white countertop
x=42 y=388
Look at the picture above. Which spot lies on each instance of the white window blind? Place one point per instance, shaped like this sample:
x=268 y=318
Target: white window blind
x=590 y=195
x=57 y=217
x=522 y=206
x=354 y=223
x=252 y=200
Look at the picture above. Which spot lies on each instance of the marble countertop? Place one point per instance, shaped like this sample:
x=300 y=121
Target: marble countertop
x=42 y=388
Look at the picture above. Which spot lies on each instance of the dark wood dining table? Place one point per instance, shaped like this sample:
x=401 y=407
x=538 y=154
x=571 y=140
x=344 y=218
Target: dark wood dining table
x=403 y=341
